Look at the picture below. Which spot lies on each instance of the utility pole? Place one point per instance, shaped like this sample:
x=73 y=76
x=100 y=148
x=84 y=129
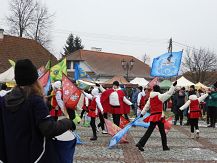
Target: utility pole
x=127 y=66
x=170 y=48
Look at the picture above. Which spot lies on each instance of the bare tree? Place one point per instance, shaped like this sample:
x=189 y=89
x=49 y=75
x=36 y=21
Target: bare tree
x=200 y=65
x=22 y=16
x=42 y=23
x=146 y=59
x=30 y=19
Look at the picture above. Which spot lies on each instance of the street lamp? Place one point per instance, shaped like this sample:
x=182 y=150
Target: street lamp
x=127 y=66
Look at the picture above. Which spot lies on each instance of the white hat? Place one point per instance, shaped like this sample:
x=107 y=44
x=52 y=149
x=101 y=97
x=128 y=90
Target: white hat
x=57 y=85
x=95 y=92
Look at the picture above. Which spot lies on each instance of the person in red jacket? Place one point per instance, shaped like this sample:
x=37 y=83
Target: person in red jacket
x=115 y=102
x=86 y=104
x=194 y=112
x=155 y=104
x=142 y=99
x=94 y=108
x=58 y=106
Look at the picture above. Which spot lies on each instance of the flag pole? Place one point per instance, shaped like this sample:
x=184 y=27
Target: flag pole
x=170 y=49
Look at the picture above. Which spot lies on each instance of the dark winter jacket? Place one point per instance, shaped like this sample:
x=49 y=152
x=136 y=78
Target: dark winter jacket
x=180 y=99
x=26 y=129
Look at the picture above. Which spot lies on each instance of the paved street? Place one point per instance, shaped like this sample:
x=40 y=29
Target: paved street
x=182 y=147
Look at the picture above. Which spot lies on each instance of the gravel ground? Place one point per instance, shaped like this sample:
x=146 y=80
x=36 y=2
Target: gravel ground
x=182 y=147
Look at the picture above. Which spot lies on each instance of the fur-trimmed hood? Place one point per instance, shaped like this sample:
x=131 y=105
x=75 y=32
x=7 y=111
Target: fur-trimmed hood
x=153 y=94
x=192 y=97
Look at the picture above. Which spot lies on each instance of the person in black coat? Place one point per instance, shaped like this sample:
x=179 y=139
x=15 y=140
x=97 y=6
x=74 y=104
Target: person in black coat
x=26 y=128
x=179 y=99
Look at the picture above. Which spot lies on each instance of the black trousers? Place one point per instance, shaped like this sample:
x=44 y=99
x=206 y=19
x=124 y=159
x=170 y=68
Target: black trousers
x=212 y=115
x=116 y=119
x=71 y=113
x=148 y=133
x=82 y=113
x=102 y=122
x=179 y=115
x=126 y=117
x=194 y=124
x=105 y=115
x=93 y=126
x=55 y=116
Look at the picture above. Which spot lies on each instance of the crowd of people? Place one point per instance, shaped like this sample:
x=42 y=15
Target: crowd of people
x=36 y=119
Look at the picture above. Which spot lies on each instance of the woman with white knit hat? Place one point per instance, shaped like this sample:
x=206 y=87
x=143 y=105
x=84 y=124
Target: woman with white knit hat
x=94 y=108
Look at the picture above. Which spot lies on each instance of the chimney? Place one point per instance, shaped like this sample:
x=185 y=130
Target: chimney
x=1 y=34
x=96 y=49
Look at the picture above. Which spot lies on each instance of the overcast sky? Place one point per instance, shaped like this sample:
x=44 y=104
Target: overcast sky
x=134 y=27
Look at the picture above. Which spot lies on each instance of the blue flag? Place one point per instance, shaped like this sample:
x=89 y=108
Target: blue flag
x=47 y=87
x=117 y=137
x=166 y=65
x=141 y=123
x=76 y=74
x=78 y=139
x=136 y=122
x=79 y=73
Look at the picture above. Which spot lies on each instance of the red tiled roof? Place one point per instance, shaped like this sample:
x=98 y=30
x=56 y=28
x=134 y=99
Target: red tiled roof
x=109 y=64
x=120 y=79
x=16 y=48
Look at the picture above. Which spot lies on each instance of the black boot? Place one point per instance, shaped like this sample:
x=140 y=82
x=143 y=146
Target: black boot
x=94 y=135
x=139 y=147
x=93 y=138
x=166 y=148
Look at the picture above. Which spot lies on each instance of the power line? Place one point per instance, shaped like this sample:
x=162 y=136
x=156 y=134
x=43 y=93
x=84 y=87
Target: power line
x=184 y=45
x=127 y=42
x=110 y=37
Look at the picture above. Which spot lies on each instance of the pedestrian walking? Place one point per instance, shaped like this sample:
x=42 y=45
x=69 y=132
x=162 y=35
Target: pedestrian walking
x=179 y=99
x=212 y=105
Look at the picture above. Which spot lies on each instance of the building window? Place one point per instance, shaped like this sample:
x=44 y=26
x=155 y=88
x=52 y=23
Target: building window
x=74 y=63
x=68 y=64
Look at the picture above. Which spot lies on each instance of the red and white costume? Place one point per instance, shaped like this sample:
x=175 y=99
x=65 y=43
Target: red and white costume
x=86 y=103
x=95 y=104
x=114 y=101
x=155 y=104
x=141 y=100
x=194 y=108
x=57 y=103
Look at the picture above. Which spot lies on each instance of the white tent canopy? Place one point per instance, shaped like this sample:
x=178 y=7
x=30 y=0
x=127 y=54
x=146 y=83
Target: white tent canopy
x=183 y=82
x=139 y=81
x=7 y=76
x=200 y=85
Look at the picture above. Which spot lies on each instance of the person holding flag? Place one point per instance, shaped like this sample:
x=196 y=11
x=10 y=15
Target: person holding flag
x=94 y=109
x=155 y=104
x=58 y=106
